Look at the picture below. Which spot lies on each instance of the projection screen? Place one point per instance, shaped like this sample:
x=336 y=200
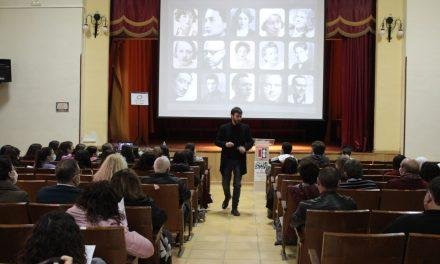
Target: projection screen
x=266 y=57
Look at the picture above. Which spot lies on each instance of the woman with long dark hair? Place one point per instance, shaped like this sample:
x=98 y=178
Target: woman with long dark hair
x=32 y=152
x=83 y=158
x=44 y=158
x=64 y=149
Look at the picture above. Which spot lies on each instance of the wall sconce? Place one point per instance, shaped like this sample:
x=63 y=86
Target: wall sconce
x=389 y=24
x=97 y=21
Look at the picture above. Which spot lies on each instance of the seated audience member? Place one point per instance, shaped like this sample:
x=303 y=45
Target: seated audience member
x=54 y=144
x=106 y=150
x=111 y=165
x=396 y=166
x=328 y=199
x=93 y=152
x=31 y=153
x=66 y=190
x=353 y=171
x=127 y=153
x=192 y=147
x=318 y=154
x=77 y=148
x=179 y=162
x=127 y=184
x=9 y=192
x=426 y=223
x=429 y=171
x=339 y=165
x=409 y=179
x=55 y=235
x=98 y=206
x=64 y=150
x=145 y=162
x=286 y=152
x=289 y=166
x=136 y=152
x=44 y=158
x=162 y=176
x=165 y=150
x=83 y=159
x=12 y=153
x=309 y=171
x=346 y=151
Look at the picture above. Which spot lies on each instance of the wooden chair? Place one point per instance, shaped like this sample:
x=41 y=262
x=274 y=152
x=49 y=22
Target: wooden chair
x=45 y=171
x=365 y=199
x=194 y=202
x=379 y=220
x=87 y=172
x=141 y=173
x=26 y=176
x=277 y=188
x=402 y=200
x=109 y=241
x=375 y=178
x=37 y=210
x=25 y=170
x=340 y=248
x=381 y=184
x=422 y=249
x=45 y=177
x=14 y=213
x=167 y=198
x=86 y=178
x=139 y=219
x=12 y=240
x=320 y=221
x=83 y=185
x=282 y=195
x=32 y=188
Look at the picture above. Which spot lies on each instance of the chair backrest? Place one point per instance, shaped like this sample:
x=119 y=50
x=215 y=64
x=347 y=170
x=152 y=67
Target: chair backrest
x=365 y=199
x=379 y=220
x=275 y=170
x=32 y=187
x=320 y=221
x=144 y=173
x=375 y=178
x=340 y=248
x=12 y=241
x=189 y=175
x=422 y=249
x=381 y=184
x=86 y=178
x=26 y=176
x=45 y=171
x=281 y=177
x=196 y=169
x=37 y=210
x=109 y=241
x=139 y=219
x=284 y=185
x=167 y=198
x=14 y=213
x=25 y=170
x=87 y=172
x=402 y=200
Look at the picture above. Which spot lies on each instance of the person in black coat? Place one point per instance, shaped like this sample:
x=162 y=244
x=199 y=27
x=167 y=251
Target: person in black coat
x=66 y=191
x=235 y=139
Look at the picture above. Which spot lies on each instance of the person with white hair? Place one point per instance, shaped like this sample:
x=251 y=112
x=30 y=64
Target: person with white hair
x=409 y=177
x=162 y=176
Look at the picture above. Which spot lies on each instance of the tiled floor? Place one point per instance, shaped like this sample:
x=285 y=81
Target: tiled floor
x=224 y=238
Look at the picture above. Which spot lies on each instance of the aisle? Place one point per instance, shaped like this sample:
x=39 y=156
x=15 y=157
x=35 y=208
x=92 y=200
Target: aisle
x=224 y=238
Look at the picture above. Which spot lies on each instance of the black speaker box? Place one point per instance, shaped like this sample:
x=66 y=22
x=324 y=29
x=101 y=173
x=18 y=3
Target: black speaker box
x=5 y=70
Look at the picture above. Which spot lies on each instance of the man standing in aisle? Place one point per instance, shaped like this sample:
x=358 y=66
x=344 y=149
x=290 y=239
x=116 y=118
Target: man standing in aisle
x=235 y=139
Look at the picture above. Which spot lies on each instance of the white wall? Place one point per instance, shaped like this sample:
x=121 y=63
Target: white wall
x=422 y=124
x=44 y=44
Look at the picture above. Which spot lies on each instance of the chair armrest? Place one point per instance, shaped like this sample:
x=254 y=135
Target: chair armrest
x=314 y=259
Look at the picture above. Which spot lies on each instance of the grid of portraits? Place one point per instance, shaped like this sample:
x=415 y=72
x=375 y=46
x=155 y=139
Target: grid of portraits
x=243 y=55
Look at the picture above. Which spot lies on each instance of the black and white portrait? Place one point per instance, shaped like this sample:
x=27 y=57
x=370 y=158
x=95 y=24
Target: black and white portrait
x=271 y=87
x=271 y=55
x=243 y=22
x=301 y=56
x=242 y=88
x=184 y=54
x=214 y=23
x=242 y=54
x=214 y=54
x=214 y=88
x=272 y=22
x=185 y=22
x=185 y=86
x=300 y=89
x=301 y=23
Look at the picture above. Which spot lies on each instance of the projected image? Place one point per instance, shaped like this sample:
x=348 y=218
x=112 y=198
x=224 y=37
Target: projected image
x=185 y=87
x=300 y=90
x=185 y=22
x=214 y=88
x=272 y=55
x=214 y=54
x=301 y=23
x=271 y=87
x=242 y=88
x=242 y=54
x=214 y=24
x=184 y=54
x=272 y=22
x=301 y=56
x=243 y=22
